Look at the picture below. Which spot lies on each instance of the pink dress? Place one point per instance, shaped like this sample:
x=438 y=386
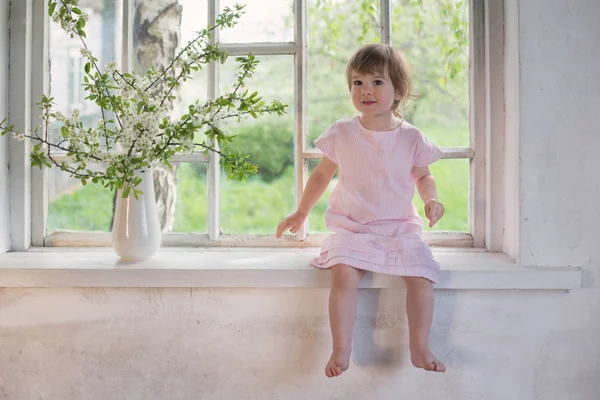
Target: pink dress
x=374 y=222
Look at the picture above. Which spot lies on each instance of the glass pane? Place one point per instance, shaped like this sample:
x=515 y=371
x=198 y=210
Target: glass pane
x=191 y=210
x=256 y=206
x=316 y=219
x=262 y=21
x=89 y=208
x=73 y=206
x=452 y=179
x=434 y=38
x=193 y=19
x=335 y=31
x=104 y=33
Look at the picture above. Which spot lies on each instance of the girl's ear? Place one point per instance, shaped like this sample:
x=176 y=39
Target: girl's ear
x=401 y=92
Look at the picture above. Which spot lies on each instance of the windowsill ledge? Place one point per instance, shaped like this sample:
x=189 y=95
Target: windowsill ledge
x=257 y=268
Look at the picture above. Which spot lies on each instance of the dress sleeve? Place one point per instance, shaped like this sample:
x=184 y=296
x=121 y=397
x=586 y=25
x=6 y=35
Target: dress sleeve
x=425 y=152
x=326 y=143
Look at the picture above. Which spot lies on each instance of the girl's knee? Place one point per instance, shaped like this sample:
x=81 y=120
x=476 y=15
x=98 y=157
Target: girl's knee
x=345 y=276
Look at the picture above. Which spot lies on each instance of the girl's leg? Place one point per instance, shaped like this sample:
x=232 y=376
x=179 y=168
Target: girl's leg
x=342 y=313
x=419 y=309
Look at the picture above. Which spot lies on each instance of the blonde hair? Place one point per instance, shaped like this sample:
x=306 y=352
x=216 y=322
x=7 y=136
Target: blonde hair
x=377 y=57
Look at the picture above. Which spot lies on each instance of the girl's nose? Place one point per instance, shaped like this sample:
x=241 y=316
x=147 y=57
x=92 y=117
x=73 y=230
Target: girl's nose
x=366 y=90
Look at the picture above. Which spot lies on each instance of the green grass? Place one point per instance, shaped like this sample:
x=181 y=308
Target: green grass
x=255 y=206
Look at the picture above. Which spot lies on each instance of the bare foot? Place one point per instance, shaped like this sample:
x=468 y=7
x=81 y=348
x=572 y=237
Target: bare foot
x=338 y=363
x=424 y=358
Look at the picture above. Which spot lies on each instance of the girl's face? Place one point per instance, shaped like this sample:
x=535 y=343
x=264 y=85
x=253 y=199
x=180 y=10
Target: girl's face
x=373 y=94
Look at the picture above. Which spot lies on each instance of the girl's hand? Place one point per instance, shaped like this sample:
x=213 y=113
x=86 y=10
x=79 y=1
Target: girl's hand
x=293 y=222
x=434 y=210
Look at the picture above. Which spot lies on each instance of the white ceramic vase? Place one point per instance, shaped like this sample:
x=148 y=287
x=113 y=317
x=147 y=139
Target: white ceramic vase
x=136 y=232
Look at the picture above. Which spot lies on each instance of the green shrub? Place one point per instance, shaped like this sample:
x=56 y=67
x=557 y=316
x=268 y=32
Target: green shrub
x=270 y=145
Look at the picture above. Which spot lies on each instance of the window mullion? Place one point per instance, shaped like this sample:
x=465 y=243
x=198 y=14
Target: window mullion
x=214 y=171
x=39 y=86
x=477 y=122
x=19 y=110
x=258 y=49
x=494 y=128
x=300 y=113
x=386 y=21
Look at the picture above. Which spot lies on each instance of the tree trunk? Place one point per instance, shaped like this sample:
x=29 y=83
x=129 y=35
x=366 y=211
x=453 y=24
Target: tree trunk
x=156 y=38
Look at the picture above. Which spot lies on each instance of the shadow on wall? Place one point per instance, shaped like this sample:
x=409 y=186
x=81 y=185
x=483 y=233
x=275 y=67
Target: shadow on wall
x=381 y=337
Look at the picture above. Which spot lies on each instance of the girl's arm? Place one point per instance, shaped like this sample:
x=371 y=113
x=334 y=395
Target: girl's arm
x=316 y=185
x=434 y=210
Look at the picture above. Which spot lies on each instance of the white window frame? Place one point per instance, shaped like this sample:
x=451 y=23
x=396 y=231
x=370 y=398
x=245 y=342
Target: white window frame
x=29 y=225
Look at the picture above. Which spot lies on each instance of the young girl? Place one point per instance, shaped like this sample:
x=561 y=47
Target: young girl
x=376 y=227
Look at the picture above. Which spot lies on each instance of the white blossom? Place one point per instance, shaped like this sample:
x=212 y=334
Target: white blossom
x=86 y=53
x=111 y=67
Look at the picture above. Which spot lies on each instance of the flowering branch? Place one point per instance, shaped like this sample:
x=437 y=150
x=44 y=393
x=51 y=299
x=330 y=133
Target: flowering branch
x=143 y=133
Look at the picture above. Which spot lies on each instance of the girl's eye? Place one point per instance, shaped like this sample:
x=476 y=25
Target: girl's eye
x=378 y=82
x=357 y=83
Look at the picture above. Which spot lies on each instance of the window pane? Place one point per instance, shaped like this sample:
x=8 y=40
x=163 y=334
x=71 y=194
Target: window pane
x=191 y=210
x=263 y=21
x=256 y=206
x=452 y=179
x=71 y=205
x=434 y=38
x=76 y=207
x=193 y=19
x=104 y=33
x=89 y=208
x=162 y=29
x=335 y=31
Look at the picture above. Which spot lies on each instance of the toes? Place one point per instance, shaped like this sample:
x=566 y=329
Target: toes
x=438 y=367
x=332 y=370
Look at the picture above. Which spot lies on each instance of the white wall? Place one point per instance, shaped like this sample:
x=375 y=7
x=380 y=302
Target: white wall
x=559 y=131
x=4 y=221
x=272 y=344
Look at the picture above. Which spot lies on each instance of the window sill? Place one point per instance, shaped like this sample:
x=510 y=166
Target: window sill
x=257 y=268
